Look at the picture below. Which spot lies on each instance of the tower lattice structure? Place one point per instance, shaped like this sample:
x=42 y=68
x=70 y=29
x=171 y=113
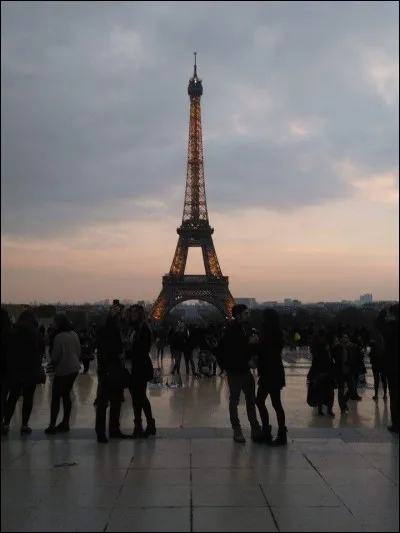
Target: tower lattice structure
x=195 y=230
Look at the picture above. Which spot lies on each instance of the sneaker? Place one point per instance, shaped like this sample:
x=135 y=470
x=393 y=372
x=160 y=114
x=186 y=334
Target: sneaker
x=102 y=439
x=26 y=430
x=51 y=430
x=238 y=436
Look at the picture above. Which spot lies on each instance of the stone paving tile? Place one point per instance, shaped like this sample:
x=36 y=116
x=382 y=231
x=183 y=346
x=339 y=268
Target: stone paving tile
x=213 y=477
x=143 y=477
x=318 y=519
x=228 y=496
x=301 y=496
x=382 y=519
x=384 y=496
x=149 y=520
x=356 y=479
x=63 y=519
x=232 y=519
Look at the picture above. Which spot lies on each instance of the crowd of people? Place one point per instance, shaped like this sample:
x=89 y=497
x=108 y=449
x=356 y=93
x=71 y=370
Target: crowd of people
x=123 y=345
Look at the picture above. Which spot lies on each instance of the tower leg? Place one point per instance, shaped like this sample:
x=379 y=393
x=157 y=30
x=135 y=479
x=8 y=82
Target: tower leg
x=159 y=307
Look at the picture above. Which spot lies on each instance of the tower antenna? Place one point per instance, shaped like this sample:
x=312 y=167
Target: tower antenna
x=195 y=65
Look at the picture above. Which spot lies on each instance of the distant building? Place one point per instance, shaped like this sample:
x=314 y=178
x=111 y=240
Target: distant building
x=269 y=304
x=366 y=299
x=288 y=302
x=250 y=302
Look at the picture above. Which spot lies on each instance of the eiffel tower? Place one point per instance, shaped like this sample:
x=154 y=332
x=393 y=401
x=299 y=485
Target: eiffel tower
x=195 y=231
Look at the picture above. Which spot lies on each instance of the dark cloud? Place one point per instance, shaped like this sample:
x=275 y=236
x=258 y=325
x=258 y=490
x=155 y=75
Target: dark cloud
x=94 y=109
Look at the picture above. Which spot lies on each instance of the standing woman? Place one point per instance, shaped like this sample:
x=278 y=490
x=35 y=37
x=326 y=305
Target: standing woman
x=6 y=327
x=138 y=355
x=24 y=369
x=322 y=372
x=65 y=358
x=271 y=376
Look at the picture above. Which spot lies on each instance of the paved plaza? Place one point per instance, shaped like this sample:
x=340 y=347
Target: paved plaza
x=338 y=474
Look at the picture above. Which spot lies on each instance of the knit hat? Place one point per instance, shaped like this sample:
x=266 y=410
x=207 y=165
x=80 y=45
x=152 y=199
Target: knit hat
x=238 y=309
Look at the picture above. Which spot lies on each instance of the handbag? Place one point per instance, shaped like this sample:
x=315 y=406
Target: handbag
x=312 y=394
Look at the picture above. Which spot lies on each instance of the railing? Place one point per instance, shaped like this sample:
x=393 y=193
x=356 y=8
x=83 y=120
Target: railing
x=200 y=279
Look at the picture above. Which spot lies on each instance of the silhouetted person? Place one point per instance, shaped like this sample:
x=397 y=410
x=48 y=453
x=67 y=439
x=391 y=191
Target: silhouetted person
x=271 y=376
x=138 y=354
x=234 y=355
x=110 y=369
x=24 y=368
x=6 y=327
x=177 y=344
x=321 y=372
x=344 y=370
x=160 y=344
x=65 y=359
x=376 y=358
x=188 y=352
x=388 y=325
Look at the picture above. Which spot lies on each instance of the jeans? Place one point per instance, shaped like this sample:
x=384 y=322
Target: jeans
x=188 y=355
x=348 y=380
x=62 y=387
x=140 y=402
x=28 y=392
x=177 y=358
x=262 y=394
x=238 y=382
x=107 y=396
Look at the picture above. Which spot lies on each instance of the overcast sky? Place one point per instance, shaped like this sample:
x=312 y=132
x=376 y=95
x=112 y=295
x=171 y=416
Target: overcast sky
x=301 y=146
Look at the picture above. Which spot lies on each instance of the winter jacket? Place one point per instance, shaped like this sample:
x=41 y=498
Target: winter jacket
x=24 y=359
x=234 y=350
x=65 y=356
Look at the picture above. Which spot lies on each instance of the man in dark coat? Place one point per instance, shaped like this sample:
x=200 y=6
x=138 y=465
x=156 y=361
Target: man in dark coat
x=110 y=369
x=388 y=325
x=344 y=367
x=234 y=354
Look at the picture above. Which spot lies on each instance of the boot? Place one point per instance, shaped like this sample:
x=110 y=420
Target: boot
x=238 y=436
x=281 y=439
x=151 y=428
x=138 y=432
x=267 y=435
x=257 y=435
x=63 y=427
